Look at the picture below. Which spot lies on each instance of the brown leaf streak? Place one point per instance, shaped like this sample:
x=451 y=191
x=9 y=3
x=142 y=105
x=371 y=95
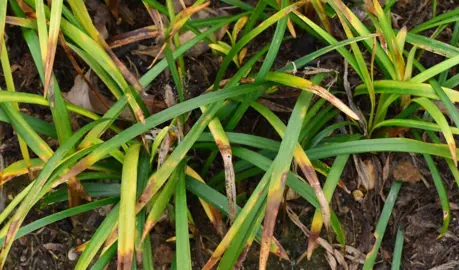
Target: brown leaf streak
x=218 y=252
x=125 y=260
x=14 y=226
x=156 y=17
x=147 y=193
x=30 y=13
x=346 y=12
x=138 y=255
x=272 y=208
x=73 y=200
x=230 y=185
x=312 y=244
x=76 y=187
x=79 y=167
x=111 y=239
x=182 y=17
x=133 y=36
x=310 y=174
x=17 y=21
x=140 y=115
x=334 y=100
x=7 y=177
x=280 y=252
x=9 y=238
x=49 y=64
x=217 y=222
x=211 y=263
x=81 y=247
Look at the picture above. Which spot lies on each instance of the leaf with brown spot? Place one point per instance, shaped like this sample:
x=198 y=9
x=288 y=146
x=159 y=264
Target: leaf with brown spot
x=23 y=22
x=230 y=180
x=19 y=168
x=224 y=147
x=164 y=149
x=281 y=167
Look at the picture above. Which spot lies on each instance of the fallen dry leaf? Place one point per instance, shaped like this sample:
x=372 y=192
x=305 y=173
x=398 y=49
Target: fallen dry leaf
x=405 y=171
x=81 y=95
x=169 y=97
x=366 y=171
x=102 y=18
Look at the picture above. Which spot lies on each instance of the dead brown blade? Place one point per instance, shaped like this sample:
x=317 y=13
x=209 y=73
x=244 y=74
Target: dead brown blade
x=143 y=33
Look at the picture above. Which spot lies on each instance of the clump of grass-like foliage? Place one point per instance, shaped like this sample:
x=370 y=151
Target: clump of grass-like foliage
x=149 y=184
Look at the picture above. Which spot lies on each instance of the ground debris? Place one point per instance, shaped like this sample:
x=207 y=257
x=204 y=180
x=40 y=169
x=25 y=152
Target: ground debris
x=405 y=171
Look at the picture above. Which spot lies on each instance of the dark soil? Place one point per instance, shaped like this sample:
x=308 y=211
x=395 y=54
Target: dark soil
x=417 y=210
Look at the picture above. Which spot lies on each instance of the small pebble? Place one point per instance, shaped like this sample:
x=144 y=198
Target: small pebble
x=72 y=255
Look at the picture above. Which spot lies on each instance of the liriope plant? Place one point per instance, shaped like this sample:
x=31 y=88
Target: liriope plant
x=144 y=186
